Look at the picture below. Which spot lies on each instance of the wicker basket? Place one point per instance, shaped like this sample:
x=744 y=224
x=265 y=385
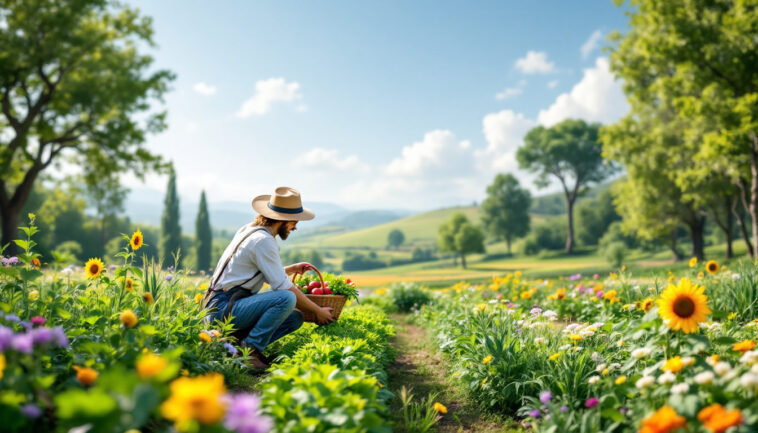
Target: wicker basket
x=336 y=302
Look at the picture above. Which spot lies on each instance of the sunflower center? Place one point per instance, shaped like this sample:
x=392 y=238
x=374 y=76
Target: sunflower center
x=94 y=268
x=684 y=307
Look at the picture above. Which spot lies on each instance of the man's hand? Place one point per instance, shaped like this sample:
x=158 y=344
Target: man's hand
x=324 y=315
x=301 y=268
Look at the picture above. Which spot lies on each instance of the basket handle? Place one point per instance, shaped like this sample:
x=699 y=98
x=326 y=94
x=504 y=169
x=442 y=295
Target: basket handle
x=296 y=275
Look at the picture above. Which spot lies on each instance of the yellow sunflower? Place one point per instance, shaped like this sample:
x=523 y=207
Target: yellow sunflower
x=683 y=306
x=137 y=240
x=693 y=262
x=93 y=267
x=712 y=267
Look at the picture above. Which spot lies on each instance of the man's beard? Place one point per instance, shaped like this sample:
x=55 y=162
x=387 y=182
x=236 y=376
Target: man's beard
x=283 y=232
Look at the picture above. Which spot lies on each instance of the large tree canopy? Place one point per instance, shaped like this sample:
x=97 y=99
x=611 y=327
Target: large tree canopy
x=72 y=82
x=699 y=59
x=570 y=152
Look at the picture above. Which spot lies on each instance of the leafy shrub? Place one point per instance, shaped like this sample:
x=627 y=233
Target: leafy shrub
x=548 y=235
x=615 y=253
x=360 y=262
x=408 y=296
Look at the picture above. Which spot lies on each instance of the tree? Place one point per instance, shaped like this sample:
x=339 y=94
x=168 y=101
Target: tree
x=73 y=83
x=505 y=211
x=569 y=151
x=594 y=216
x=459 y=236
x=203 y=235
x=700 y=57
x=107 y=196
x=171 y=232
x=395 y=238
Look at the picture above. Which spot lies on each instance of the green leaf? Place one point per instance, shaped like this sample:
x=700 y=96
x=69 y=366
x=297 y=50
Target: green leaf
x=22 y=243
x=45 y=381
x=725 y=340
x=63 y=313
x=30 y=274
x=612 y=414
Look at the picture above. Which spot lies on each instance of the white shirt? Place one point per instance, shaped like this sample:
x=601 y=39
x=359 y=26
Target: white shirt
x=258 y=252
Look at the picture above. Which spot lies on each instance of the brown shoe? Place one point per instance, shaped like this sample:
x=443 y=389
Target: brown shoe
x=256 y=360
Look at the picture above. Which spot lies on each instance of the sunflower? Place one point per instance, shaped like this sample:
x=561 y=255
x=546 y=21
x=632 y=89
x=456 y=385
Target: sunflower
x=693 y=262
x=136 y=240
x=148 y=298
x=712 y=267
x=93 y=267
x=129 y=284
x=683 y=306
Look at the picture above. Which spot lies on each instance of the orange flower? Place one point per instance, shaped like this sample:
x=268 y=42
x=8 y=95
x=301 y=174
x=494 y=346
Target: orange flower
x=148 y=298
x=664 y=420
x=673 y=365
x=744 y=346
x=36 y=263
x=85 y=375
x=717 y=419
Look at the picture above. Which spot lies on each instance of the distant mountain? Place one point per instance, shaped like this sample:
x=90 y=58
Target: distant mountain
x=146 y=206
x=346 y=222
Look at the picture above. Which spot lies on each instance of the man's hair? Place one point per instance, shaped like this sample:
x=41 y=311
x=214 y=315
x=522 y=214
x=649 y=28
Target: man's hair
x=261 y=220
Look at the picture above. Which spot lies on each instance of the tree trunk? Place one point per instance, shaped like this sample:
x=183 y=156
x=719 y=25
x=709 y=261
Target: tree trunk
x=753 y=210
x=570 y=234
x=463 y=260
x=508 y=242
x=672 y=245
x=728 y=231
x=741 y=224
x=697 y=225
x=10 y=230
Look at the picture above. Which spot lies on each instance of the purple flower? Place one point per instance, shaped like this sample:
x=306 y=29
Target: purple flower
x=534 y=413
x=564 y=408
x=171 y=269
x=623 y=410
x=231 y=349
x=41 y=335
x=591 y=402
x=59 y=335
x=535 y=311
x=243 y=414
x=26 y=324
x=23 y=343
x=12 y=318
x=511 y=305
x=38 y=320
x=13 y=260
x=545 y=396
x=599 y=294
x=31 y=411
x=169 y=277
x=6 y=336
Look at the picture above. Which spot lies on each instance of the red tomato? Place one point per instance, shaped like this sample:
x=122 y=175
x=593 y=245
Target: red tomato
x=348 y=281
x=317 y=291
x=327 y=291
x=314 y=285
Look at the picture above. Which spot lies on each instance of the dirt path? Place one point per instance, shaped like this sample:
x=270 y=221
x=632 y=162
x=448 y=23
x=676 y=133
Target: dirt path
x=419 y=366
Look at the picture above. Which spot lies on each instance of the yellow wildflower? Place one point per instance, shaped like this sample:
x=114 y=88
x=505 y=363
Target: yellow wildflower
x=150 y=365
x=439 y=407
x=195 y=399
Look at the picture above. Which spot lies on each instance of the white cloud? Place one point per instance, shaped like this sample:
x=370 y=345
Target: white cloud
x=535 y=62
x=552 y=84
x=598 y=97
x=508 y=92
x=267 y=93
x=591 y=44
x=438 y=152
x=504 y=132
x=328 y=160
x=204 y=89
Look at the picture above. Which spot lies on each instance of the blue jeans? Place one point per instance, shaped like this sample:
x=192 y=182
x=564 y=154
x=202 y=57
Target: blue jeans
x=266 y=316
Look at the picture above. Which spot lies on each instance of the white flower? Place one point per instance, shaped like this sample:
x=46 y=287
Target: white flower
x=666 y=378
x=550 y=314
x=680 y=388
x=722 y=368
x=749 y=380
x=704 y=378
x=640 y=353
x=67 y=271
x=586 y=333
x=614 y=365
x=539 y=340
x=712 y=361
x=755 y=368
x=520 y=322
x=593 y=380
x=578 y=348
x=571 y=327
x=688 y=361
x=600 y=367
x=750 y=357
x=735 y=276
x=598 y=324
x=595 y=356
x=644 y=382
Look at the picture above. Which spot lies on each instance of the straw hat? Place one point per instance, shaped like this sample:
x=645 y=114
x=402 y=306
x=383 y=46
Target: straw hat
x=283 y=205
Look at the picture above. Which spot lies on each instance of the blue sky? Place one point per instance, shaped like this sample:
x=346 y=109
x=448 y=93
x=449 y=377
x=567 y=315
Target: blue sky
x=413 y=105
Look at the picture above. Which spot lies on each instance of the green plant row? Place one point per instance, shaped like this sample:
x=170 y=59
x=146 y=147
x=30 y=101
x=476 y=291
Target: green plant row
x=332 y=378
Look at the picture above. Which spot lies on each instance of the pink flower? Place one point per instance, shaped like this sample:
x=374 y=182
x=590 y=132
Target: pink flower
x=591 y=402
x=38 y=320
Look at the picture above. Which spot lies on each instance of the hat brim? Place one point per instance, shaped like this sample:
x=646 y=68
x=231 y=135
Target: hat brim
x=260 y=205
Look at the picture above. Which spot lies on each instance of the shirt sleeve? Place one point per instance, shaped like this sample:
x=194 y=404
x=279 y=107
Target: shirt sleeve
x=270 y=264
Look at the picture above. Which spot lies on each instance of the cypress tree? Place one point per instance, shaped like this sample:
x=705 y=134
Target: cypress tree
x=203 y=235
x=171 y=232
